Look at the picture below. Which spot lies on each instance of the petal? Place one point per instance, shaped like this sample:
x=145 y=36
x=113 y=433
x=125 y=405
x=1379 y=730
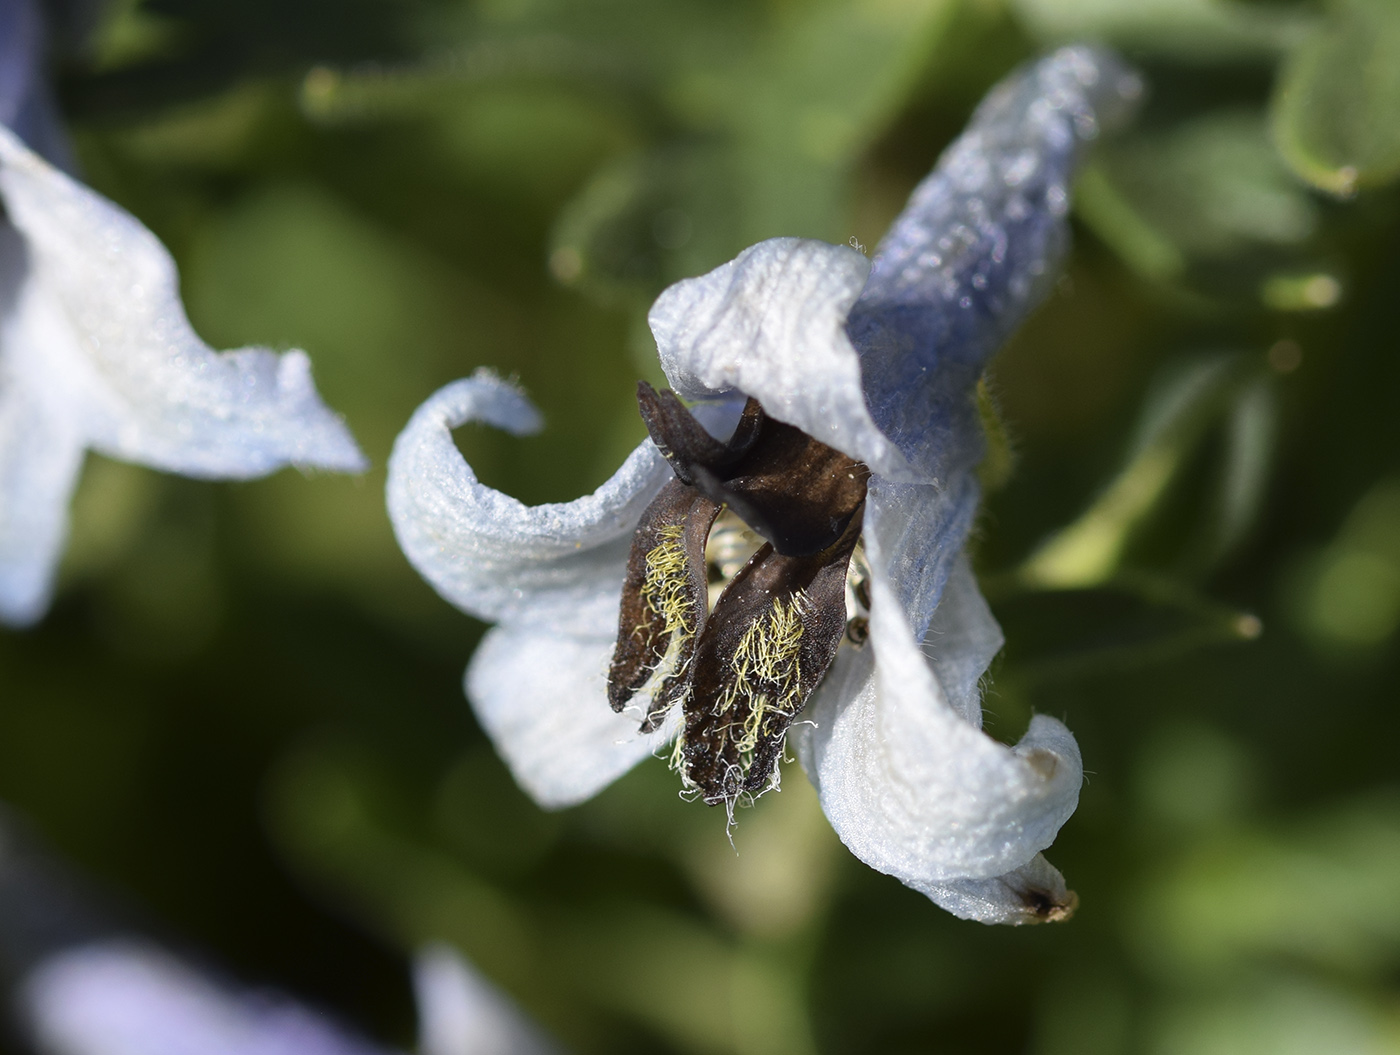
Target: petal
x=770 y=324
x=559 y=565
x=130 y=998
x=153 y=392
x=976 y=249
x=1033 y=893
x=41 y=444
x=910 y=785
x=461 y=1013
x=542 y=698
x=20 y=51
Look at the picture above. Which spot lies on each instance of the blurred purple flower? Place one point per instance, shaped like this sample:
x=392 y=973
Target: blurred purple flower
x=876 y=361
x=96 y=351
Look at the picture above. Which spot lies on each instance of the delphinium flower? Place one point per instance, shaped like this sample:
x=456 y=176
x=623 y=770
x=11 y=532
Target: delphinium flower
x=96 y=351
x=85 y=984
x=782 y=562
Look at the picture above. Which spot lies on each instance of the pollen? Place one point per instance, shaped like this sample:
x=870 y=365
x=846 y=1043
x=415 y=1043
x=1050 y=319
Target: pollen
x=665 y=589
x=766 y=678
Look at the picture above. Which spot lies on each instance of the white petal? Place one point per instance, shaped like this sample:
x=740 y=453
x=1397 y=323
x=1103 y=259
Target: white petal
x=41 y=447
x=910 y=785
x=559 y=564
x=1033 y=893
x=129 y=998
x=152 y=391
x=542 y=698
x=962 y=640
x=771 y=324
x=461 y=1013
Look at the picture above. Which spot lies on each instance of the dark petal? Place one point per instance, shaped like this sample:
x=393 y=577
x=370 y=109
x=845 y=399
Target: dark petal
x=796 y=492
x=765 y=647
x=684 y=441
x=664 y=598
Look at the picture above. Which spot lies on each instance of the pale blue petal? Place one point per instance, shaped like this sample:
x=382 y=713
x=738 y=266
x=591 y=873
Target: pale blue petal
x=126 y=997
x=461 y=1013
x=143 y=386
x=542 y=698
x=904 y=773
x=1033 y=893
x=770 y=324
x=975 y=249
x=558 y=565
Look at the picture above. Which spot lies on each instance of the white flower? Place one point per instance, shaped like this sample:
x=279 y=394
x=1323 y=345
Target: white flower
x=876 y=361
x=96 y=352
x=126 y=996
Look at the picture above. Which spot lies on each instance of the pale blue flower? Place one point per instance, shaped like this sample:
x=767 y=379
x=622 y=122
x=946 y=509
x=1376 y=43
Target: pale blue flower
x=96 y=352
x=877 y=360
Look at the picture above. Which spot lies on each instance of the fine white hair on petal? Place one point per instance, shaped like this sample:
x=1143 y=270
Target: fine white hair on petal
x=962 y=640
x=559 y=565
x=461 y=1013
x=1033 y=893
x=542 y=698
x=916 y=790
x=771 y=324
x=149 y=389
x=127 y=997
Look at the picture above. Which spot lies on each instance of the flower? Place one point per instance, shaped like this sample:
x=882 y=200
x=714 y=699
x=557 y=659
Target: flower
x=860 y=418
x=96 y=352
x=84 y=985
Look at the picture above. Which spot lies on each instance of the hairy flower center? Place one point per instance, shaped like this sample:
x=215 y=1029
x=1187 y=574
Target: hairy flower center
x=742 y=584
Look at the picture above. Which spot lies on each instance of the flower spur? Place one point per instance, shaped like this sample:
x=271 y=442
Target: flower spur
x=833 y=423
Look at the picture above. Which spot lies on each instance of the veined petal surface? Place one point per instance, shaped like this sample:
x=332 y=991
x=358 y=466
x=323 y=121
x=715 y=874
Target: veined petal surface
x=770 y=324
x=558 y=565
x=542 y=697
x=975 y=250
x=911 y=785
x=150 y=390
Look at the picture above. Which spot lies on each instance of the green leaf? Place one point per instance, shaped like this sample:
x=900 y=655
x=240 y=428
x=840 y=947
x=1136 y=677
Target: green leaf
x=1336 y=109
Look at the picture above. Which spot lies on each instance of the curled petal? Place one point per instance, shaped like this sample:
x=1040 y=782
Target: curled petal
x=559 y=565
x=976 y=249
x=143 y=386
x=914 y=788
x=542 y=698
x=770 y=324
x=461 y=1013
x=1033 y=893
x=129 y=998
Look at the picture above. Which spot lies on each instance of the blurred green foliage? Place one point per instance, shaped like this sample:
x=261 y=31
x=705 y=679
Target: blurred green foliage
x=245 y=711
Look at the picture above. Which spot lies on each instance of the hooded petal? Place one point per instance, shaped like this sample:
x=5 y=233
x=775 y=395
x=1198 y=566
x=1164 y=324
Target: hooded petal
x=144 y=387
x=975 y=250
x=770 y=324
x=558 y=565
x=126 y=997
x=461 y=1013
x=910 y=784
x=1033 y=893
x=542 y=697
